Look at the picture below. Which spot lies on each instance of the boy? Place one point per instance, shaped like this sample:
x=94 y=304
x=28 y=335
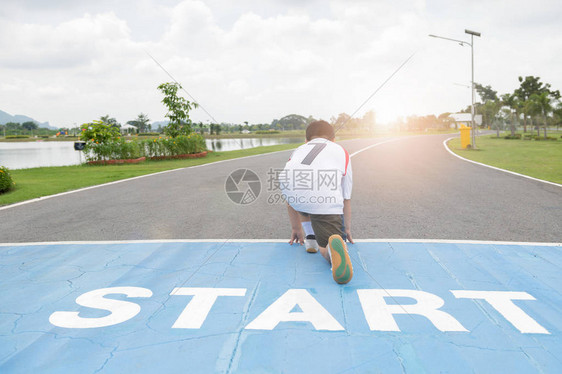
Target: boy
x=317 y=185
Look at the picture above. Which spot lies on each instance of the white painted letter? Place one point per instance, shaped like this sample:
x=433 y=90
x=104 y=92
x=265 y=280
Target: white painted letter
x=379 y=314
x=121 y=311
x=501 y=301
x=200 y=305
x=280 y=311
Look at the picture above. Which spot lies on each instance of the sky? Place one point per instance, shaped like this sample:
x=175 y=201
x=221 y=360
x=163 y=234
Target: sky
x=71 y=61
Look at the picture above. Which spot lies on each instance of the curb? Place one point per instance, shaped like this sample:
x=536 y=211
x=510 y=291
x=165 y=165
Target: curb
x=224 y=241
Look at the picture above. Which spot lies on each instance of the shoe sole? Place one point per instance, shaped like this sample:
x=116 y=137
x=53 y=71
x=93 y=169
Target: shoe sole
x=312 y=248
x=342 y=270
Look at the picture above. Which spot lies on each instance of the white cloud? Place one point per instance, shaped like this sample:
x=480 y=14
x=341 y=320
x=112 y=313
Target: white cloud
x=67 y=45
x=261 y=62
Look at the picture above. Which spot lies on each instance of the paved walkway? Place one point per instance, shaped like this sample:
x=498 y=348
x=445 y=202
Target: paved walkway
x=409 y=187
x=259 y=306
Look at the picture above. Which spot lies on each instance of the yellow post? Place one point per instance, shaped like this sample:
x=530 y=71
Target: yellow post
x=465 y=136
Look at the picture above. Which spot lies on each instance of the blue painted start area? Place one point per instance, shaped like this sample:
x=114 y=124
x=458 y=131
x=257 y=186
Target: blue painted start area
x=273 y=308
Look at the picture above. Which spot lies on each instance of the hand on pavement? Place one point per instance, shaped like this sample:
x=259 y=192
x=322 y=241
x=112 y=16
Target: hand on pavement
x=297 y=236
x=348 y=235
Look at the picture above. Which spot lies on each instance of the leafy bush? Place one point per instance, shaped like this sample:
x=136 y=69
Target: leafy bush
x=103 y=141
x=178 y=110
x=181 y=145
x=516 y=136
x=120 y=149
x=149 y=134
x=268 y=132
x=543 y=138
x=99 y=132
x=115 y=149
x=6 y=182
x=17 y=136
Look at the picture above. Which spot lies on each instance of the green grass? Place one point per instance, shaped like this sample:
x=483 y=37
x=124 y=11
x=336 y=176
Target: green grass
x=538 y=159
x=44 y=181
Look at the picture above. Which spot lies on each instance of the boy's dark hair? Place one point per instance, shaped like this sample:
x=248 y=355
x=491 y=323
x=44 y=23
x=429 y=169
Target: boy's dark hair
x=320 y=129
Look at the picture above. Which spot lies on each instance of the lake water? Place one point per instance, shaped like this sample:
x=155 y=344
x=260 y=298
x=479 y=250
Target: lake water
x=24 y=155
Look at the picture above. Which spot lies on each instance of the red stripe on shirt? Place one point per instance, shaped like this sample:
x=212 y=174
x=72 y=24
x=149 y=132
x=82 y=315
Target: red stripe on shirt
x=346 y=160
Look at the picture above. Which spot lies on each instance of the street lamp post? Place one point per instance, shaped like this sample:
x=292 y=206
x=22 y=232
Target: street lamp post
x=471 y=44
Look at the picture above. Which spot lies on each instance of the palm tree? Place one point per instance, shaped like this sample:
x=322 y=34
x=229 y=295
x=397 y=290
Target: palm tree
x=557 y=114
x=514 y=104
x=143 y=121
x=489 y=111
x=542 y=107
x=530 y=110
x=109 y=121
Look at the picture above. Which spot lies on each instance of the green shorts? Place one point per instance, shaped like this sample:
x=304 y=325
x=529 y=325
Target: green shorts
x=324 y=226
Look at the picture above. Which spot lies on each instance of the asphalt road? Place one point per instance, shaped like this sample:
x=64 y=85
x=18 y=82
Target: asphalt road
x=409 y=188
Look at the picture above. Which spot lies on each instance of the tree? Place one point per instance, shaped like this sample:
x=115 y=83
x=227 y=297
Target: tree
x=293 y=121
x=445 y=120
x=529 y=110
x=541 y=106
x=135 y=123
x=215 y=129
x=141 y=123
x=109 y=121
x=528 y=86
x=13 y=127
x=486 y=93
x=489 y=111
x=557 y=114
x=29 y=126
x=369 y=120
x=178 y=110
x=340 y=121
x=416 y=123
x=490 y=105
x=514 y=107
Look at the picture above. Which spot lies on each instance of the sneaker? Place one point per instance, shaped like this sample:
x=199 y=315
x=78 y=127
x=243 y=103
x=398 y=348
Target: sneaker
x=342 y=270
x=311 y=244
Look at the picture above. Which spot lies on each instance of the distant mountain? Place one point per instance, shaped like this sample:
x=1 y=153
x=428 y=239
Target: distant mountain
x=155 y=124
x=19 y=118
